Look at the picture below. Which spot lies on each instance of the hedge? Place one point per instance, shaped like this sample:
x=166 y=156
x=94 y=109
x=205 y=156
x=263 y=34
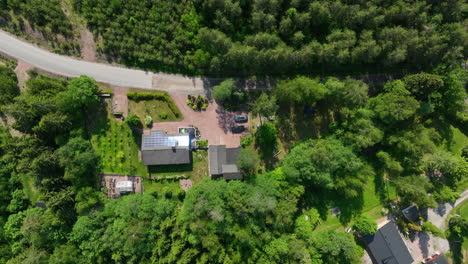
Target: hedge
x=155 y=96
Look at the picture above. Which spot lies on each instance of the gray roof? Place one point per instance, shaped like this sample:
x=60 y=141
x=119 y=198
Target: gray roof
x=223 y=161
x=387 y=247
x=439 y=260
x=166 y=156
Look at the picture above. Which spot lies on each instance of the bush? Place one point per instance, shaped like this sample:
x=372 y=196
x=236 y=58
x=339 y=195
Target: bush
x=366 y=225
x=133 y=121
x=202 y=143
x=246 y=141
x=247 y=160
x=432 y=229
x=163 y=115
x=267 y=134
x=148 y=121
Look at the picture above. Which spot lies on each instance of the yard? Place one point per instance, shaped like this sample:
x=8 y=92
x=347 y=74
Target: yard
x=371 y=204
x=115 y=142
x=157 y=109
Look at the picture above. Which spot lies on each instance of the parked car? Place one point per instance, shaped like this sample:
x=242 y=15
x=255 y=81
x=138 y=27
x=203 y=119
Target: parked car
x=241 y=118
x=238 y=129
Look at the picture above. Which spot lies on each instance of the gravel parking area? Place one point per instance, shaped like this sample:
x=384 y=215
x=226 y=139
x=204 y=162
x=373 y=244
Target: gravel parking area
x=214 y=123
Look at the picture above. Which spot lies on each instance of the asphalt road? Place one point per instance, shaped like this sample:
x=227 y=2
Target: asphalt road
x=72 y=67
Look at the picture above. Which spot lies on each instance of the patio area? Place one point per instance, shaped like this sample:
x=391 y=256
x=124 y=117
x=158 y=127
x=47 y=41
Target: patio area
x=214 y=123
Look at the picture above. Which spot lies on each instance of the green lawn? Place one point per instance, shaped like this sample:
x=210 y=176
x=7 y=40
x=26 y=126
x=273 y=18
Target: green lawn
x=159 y=186
x=115 y=143
x=153 y=108
x=29 y=188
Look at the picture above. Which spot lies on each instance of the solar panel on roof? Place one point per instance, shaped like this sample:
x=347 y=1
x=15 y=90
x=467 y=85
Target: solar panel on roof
x=158 y=139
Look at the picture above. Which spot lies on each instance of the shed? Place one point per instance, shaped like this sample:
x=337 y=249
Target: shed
x=411 y=213
x=124 y=186
x=387 y=247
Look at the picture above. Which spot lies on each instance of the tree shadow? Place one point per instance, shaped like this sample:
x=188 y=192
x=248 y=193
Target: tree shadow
x=424 y=243
x=98 y=118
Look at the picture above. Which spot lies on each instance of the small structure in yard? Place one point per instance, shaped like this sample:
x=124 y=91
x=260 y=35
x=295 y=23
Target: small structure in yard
x=387 y=247
x=411 y=213
x=159 y=148
x=222 y=162
x=118 y=185
x=436 y=259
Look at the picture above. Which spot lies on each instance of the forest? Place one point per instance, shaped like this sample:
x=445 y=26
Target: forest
x=261 y=37
x=52 y=210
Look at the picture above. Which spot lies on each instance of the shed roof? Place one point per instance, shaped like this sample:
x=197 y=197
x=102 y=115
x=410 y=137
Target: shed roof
x=387 y=247
x=124 y=186
x=411 y=213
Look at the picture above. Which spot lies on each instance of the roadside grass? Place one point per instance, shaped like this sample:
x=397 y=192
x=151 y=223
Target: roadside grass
x=457 y=254
x=115 y=143
x=153 y=108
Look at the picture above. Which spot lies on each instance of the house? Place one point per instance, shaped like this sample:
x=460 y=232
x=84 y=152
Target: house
x=411 y=213
x=222 y=162
x=159 y=148
x=387 y=247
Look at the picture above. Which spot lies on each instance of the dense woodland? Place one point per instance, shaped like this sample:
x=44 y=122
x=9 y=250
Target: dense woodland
x=272 y=217
x=263 y=37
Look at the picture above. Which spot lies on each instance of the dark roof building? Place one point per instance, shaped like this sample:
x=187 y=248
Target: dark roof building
x=223 y=162
x=436 y=259
x=411 y=213
x=387 y=247
x=159 y=148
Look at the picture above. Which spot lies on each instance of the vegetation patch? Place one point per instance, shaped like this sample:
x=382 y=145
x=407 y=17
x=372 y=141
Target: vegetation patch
x=115 y=143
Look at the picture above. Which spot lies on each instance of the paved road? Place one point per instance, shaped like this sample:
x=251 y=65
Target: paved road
x=71 y=67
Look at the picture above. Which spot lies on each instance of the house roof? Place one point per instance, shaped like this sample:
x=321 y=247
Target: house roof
x=441 y=259
x=166 y=156
x=159 y=148
x=223 y=161
x=387 y=247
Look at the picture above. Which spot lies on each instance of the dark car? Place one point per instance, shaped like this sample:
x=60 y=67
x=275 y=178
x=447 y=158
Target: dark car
x=241 y=119
x=238 y=129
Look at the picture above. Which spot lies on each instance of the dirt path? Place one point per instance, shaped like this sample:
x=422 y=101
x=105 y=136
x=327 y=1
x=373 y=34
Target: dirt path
x=21 y=71
x=88 y=46
x=120 y=100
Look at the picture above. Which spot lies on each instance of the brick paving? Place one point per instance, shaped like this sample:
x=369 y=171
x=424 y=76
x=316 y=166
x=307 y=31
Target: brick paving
x=214 y=123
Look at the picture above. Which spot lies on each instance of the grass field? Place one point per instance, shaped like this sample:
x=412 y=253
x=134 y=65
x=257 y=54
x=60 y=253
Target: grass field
x=157 y=109
x=115 y=143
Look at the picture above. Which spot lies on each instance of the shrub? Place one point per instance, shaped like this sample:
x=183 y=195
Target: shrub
x=163 y=115
x=148 y=121
x=247 y=160
x=246 y=141
x=432 y=229
x=133 y=121
x=366 y=225
x=267 y=134
x=202 y=143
